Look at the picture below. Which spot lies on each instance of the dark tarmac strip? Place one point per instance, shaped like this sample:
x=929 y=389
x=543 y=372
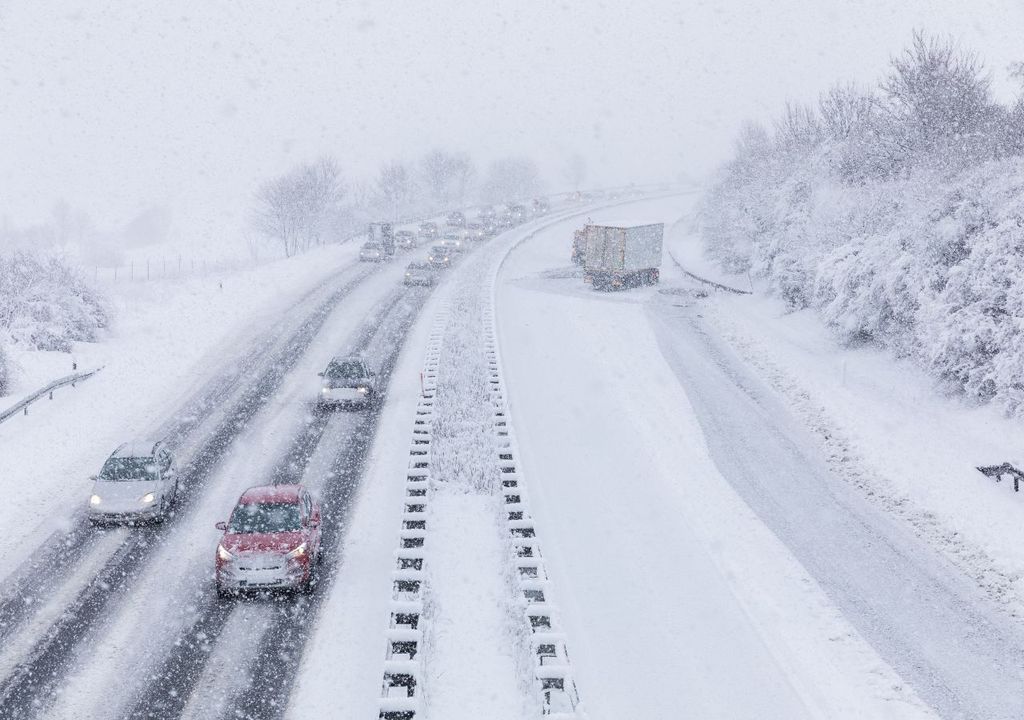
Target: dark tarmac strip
x=32 y=685
x=280 y=649
x=182 y=669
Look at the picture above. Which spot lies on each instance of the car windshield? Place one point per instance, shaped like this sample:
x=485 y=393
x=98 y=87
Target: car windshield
x=371 y=246
x=128 y=468
x=265 y=518
x=438 y=250
x=346 y=369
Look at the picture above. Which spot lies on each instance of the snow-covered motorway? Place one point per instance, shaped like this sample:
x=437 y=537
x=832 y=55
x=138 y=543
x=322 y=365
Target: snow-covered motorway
x=710 y=563
x=697 y=554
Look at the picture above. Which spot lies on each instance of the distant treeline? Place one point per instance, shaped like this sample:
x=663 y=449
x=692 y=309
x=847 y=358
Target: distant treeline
x=897 y=213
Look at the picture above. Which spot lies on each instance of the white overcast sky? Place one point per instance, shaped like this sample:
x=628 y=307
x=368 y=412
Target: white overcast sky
x=116 y=106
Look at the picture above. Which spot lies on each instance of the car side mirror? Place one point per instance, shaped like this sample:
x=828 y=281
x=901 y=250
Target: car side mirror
x=94 y=478
x=221 y=525
x=319 y=374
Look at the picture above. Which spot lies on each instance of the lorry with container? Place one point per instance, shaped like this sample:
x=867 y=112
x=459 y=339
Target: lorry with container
x=617 y=257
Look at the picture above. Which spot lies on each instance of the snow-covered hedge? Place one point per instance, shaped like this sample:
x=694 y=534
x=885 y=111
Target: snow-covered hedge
x=45 y=305
x=899 y=217
x=5 y=374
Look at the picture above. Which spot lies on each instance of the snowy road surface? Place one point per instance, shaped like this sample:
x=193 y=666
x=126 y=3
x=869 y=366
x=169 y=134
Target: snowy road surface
x=703 y=560
x=700 y=543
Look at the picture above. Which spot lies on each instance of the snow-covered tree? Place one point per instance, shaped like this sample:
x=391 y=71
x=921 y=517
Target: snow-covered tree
x=511 y=178
x=396 y=188
x=447 y=178
x=298 y=209
x=897 y=217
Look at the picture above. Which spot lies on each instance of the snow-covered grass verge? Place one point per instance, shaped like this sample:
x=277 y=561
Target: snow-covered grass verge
x=885 y=427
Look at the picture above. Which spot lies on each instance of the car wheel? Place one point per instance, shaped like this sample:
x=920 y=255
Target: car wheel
x=223 y=594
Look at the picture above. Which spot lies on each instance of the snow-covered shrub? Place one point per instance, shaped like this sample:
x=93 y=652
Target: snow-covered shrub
x=45 y=305
x=899 y=217
x=5 y=373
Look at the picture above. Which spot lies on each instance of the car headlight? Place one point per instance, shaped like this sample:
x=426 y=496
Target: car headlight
x=95 y=500
x=223 y=554
x=297 y=552
x=148 y=498
x=325 y=389
x=408 y=274
x=363 y=390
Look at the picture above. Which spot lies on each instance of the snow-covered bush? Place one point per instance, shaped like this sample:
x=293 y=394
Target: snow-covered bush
x=5 y=373
x=898 y=216
x=45 y=305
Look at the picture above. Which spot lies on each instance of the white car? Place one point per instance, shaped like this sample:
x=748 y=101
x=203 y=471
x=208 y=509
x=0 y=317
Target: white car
x=347 y=381
x=139 y=481
x=372 y=252
x=454 y=241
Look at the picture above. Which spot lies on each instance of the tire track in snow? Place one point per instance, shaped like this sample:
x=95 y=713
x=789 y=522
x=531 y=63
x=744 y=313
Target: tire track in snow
x=31 y=686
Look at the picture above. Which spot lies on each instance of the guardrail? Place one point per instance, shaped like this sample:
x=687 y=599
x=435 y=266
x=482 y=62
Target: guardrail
x=712 y=283
x=48 y=390
x=999 y=471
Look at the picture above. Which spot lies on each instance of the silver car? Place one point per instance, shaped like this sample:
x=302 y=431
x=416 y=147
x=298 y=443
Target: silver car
x=419 y=273
x=347 y=381
x=372 y=252
x=139 y=481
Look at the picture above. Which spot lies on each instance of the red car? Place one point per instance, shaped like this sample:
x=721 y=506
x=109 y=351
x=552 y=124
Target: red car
x=271 y=541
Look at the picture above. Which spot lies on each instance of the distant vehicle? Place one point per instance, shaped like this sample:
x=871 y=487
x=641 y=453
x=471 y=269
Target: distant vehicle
x=505 y=219
x=405 y=240
x=576 y=197
x=439 y=257
x=519 y=214
x=139 y=481
x=428 y=231
x=618 y=257
x=456 y=219
x=372 y=252
x=384 y=234
x=272 y=540
x=579 y=246
x=541 y=206
x=347 y=381
x=454 y=241
x=486 y=213
x=418 y=273
x=490 y=228
x=475 y=231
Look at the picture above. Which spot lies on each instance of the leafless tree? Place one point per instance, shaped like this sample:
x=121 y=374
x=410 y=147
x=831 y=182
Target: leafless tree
x=297 y=209
x=512 y=178
x=396 y=188
x=446 y=177
x=575 y=171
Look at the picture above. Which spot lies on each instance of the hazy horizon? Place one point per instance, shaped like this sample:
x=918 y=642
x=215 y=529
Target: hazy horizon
x=188 y=107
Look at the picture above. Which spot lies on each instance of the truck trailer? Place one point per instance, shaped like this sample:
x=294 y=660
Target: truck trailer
x=622 y=257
